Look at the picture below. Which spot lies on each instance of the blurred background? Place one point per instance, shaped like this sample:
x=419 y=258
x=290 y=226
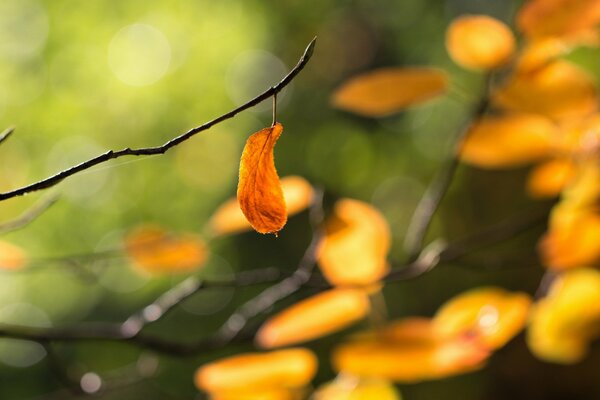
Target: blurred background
x=79 y=78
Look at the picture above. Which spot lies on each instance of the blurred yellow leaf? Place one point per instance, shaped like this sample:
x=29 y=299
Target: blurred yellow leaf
x=264 y=394
x=550 y=178
x=408 y=351
x=304 y=320
x=355 y=246
x=490 y=315
x=388 y=90
x=229 y=218
x=255 y=372
x=12 y=257
x=347 y=387
x=508 y=140
x=557 y=17
x=479 y=42
x=563 y=324
x=156 y=251
x=559 y=90
x=259 y=192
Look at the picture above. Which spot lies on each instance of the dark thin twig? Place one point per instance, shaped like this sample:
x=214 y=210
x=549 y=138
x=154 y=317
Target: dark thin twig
x=148 y=151
x=433 y=196
x=6 y=133
x=29 y=215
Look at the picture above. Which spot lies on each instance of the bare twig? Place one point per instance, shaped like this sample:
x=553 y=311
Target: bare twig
x=29 y=215
x=433 y=196
x=149 y=151
x=6 y=133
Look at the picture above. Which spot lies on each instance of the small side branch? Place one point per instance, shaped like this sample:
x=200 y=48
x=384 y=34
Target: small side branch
x=29 y=215
x=6 y=134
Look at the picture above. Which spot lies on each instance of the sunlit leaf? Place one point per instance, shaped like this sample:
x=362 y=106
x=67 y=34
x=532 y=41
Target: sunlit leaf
x=304 y=320
x=229 y=218
x=550 y=178
x=559 y=90
x=408 y=351
x=259 y=192
x=156 y=251
x=388 y=90
x=12 y=257
x=479 y=42
x=564 y=323
x=490 y=315
x=264 y=394
x=347 y=387
x=557 y=17
x=508 y=140
x=290 y=368
x=356 y=244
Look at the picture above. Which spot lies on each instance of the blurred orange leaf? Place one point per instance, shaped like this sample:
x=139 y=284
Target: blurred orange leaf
x=355 y=246
x=557 y=17
x=304 y=320
x=549 y=179
x=508 y=140
x=479 y=42
x=388 y=90
x=347 y=387
x=559 y=90
x=264 y=394
x=290 y=368
x=156 y=251
x=259 y=192
x=228 y=218
x=12 y=257
x=489 y=315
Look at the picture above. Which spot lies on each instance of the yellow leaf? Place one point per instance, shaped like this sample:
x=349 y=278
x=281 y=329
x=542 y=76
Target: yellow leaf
x=550 y=178
x=347 y=387
x=259 y=192
x=388 y=90
x=12 y=257
x=489 y=315
x=539 y=18
x=156 y=251
x=265 y=394
x=229 y=218
x=559 y=90
x=479 y=42
x=290 y=368
x=355 y=246
x=304 y=320
x=508 y=140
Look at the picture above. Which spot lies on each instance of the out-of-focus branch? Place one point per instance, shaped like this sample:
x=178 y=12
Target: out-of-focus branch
x=433 y=196
x=149 y=151
x=29 y=215
x=6 y=133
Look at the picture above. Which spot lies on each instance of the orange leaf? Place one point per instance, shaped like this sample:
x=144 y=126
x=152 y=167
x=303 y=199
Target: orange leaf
x=155 y=251
x=259 y=192
x=549 y=179
x=355 y=246
x=290 y=368
x=557 y=17
x=559 y=90
x=509 y=140
x=11 y=257
x=389 y=90
x=304 y=320
x=228 y=218
x=479 y=42
x=346 y=387
x=265 y=394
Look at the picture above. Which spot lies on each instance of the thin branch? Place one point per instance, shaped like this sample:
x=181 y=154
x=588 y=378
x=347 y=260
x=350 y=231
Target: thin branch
x=29 y=215
x=433 y=196
x=6 y=133
x=149 y=151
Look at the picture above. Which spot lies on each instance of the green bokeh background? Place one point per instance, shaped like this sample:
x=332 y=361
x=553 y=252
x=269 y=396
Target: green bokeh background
x=81 y=77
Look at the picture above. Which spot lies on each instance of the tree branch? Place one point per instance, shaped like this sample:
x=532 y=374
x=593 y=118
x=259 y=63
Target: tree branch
x=6 y=133
x=29 y=215
x=149 y=151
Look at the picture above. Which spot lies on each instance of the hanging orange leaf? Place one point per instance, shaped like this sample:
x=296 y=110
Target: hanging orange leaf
x=290 y=368
x=347 y=387
x=11 y=257
x=509 y=140
x=304 y=320
x=229 y=218
x=559 y=90
x=355 y=246
x=264 y=394
x=156 y=251
x=479 y=42
x=557 y=17
x=550 y=178
x=490 y=315
x=565 y=322
x=259 y=192
x=388 y=90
